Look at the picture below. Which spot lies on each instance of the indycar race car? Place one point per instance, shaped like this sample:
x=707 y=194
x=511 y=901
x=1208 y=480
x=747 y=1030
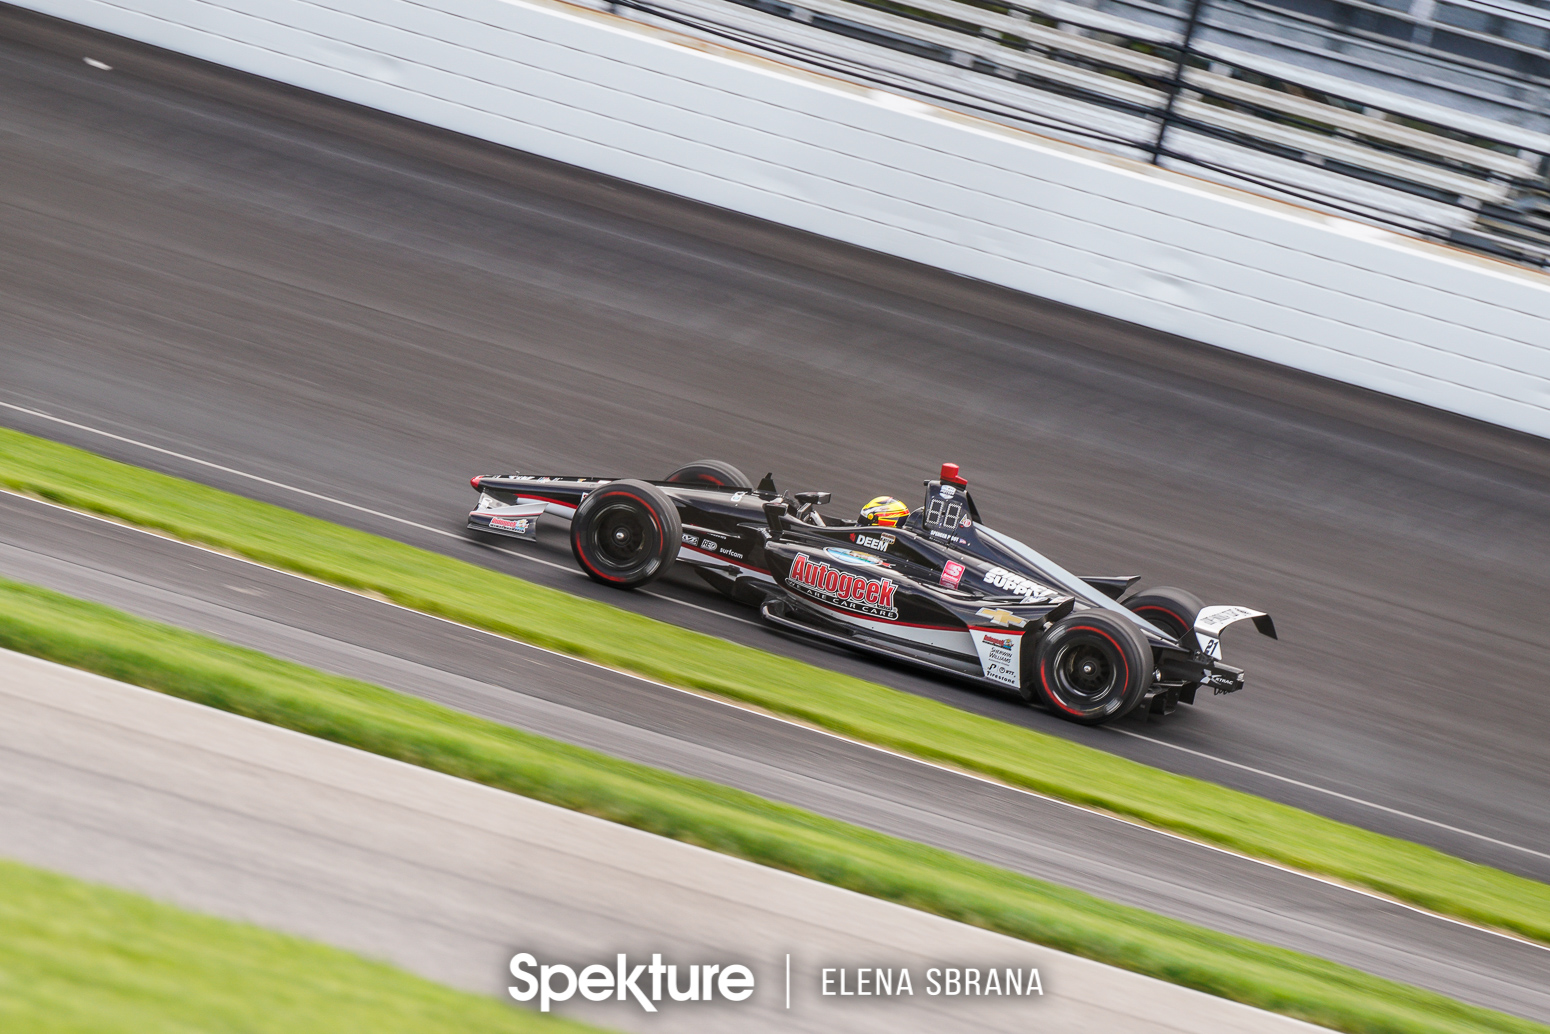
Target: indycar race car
x=932 y=586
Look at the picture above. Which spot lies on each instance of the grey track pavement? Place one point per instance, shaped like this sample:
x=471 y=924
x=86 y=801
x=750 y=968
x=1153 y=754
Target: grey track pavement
x=359 y=308
x=450 y=879
x=628 y=717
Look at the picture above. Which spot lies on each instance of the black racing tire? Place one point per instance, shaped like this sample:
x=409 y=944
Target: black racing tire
x=1172 y=610
x=1093 y=667
x=710 y=472
x=626 y=534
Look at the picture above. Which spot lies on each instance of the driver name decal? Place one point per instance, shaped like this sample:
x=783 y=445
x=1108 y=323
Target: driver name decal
x=855 y=592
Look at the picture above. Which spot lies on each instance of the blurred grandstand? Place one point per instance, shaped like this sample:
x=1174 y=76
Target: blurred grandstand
x=1424 y=116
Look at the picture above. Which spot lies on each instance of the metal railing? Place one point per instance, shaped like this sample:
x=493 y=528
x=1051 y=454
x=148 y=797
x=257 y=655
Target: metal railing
x=1169 y=94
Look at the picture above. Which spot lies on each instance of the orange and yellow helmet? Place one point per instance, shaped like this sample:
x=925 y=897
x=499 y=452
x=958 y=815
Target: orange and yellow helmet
x=884 y=510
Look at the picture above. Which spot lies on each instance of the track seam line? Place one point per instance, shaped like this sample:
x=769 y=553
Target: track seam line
x=1335 y=793
x=749 y=709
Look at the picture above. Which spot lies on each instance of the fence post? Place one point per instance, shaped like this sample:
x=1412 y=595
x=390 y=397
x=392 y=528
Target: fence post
x=1177 y=83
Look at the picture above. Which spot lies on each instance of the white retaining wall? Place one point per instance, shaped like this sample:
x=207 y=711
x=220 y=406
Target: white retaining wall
x=1317 y=293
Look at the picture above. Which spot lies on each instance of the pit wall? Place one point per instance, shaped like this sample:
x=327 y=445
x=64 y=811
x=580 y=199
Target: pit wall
x=1156 y=248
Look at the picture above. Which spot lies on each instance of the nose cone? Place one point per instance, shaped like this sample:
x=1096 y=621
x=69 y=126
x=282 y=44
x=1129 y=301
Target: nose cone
x=475 y=480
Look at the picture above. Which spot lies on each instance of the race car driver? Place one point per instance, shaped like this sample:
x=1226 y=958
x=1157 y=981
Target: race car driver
x=885 y=511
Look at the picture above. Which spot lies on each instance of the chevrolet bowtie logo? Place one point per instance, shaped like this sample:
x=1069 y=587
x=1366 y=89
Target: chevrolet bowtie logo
x=1004 y=618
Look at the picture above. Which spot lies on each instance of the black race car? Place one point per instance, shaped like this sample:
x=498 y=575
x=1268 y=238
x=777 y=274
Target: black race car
x=938 y=589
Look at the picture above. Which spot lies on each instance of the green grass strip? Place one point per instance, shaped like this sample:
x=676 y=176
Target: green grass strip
x=180 y=663
x=867 y=711
x=77 y=958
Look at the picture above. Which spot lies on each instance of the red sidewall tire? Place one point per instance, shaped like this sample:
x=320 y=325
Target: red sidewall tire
x=1172 y=610
x=1093 y=667
x=714 y=473
x=626 y=534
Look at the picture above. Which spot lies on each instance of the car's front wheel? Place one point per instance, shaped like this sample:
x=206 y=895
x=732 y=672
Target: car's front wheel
x=626 y=534
x=1093 y=667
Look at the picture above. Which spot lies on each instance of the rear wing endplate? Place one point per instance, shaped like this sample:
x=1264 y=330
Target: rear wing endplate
x=1210 y=622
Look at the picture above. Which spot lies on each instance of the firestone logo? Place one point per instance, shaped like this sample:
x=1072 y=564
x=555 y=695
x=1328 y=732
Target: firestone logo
x=598 y=983
x=870 y=596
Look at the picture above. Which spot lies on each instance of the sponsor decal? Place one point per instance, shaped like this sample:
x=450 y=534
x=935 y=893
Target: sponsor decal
x=997 y=616
x=948 y=491
x=710 y=546
x=1221 y=683
x=1211 y=620
x=952 y=574
x=966 y=523
x=524 y=477
x=1014 y=584
x=519 y=525
x=856 y=592
x=1000 y=658
x=878 y=542
x=738 y=495
x=850 y=556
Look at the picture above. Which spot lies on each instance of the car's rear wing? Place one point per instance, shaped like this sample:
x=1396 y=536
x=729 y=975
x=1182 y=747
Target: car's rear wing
x=1210 y=622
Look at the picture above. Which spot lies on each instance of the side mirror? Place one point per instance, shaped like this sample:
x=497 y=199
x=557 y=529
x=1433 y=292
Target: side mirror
x=807 y=506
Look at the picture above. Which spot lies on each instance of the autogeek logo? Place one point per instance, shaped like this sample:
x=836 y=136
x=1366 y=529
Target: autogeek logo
x=598 y=983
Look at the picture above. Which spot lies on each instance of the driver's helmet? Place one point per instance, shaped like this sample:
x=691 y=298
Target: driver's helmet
x=885 y=510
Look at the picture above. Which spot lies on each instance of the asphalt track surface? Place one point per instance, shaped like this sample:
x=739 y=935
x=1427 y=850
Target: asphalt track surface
x=337 y=303
x=449 y=879
x=287 y=616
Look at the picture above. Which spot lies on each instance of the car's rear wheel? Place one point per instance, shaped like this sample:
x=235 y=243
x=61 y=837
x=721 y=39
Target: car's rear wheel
x=1172 y=610
x=1093 y=666
x=710 y=472
x=625 y=534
